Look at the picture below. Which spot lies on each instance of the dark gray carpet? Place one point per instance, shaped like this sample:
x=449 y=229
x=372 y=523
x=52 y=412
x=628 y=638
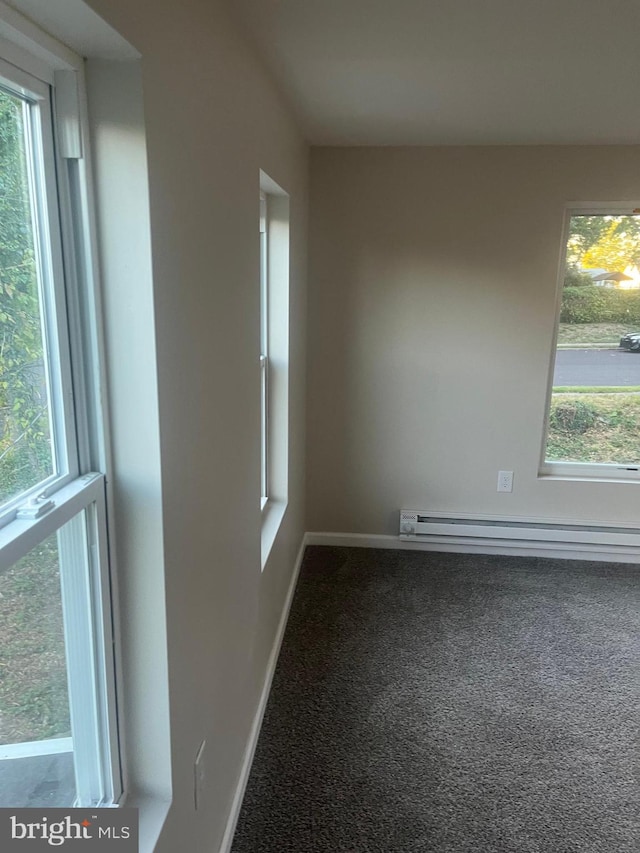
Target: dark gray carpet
x=439 y=702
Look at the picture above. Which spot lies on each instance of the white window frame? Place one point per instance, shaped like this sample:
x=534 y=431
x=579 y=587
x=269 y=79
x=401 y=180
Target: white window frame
x=48 y=243
x=274 y=359
x=86 y=598
x=264 y=350
x=609 y=472
x=72 y=502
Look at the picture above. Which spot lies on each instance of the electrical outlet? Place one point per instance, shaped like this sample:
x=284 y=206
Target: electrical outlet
x=199 y=776
x=505 y=481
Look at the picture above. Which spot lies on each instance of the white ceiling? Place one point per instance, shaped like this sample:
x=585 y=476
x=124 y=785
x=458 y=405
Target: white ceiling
x=455 y=72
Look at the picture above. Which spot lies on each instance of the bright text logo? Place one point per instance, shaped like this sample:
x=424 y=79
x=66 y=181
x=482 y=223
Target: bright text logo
x=32 y=830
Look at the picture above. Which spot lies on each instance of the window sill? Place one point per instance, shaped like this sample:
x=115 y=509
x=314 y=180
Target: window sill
x=152 y=814
x=272 y=515
x=585 y=473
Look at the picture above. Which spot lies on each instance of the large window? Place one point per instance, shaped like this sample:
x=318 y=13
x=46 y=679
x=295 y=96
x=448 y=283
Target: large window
x=58 y=744
x=593 y=420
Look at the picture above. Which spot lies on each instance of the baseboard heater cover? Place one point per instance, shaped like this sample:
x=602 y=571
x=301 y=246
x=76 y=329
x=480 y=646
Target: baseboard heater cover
x=416 y=525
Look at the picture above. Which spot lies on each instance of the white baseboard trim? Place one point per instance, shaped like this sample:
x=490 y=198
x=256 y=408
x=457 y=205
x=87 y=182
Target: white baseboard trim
x=465 y=545
x=250 y=749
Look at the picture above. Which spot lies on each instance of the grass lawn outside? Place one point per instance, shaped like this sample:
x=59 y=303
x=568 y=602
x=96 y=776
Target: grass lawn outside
x=596 y=389
x=593 y=334
x=594 y=427
x=34 y=702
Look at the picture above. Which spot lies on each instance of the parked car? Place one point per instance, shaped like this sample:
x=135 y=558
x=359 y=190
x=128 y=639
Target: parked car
x=631 y=342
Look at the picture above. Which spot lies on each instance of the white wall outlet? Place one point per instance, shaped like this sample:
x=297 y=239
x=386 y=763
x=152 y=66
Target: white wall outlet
x=505 y=481
x=199 y=776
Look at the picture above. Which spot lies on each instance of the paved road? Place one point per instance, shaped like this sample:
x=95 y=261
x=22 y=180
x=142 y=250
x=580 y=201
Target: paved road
x=597 y=367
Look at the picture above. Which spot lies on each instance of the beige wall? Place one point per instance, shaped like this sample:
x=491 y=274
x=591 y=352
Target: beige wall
x=212 y=121
x=432 y=299
x=136 y=539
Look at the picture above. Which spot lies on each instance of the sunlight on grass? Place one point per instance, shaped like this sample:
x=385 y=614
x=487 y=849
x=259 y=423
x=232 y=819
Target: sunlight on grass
x=593 y=333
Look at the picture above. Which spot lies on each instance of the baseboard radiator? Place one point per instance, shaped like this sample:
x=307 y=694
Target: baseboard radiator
x=532 y=533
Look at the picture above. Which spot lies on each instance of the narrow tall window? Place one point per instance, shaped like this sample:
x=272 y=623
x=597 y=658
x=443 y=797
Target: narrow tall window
x=264 y=351
x=593 y=420
x=58 y=744
x=274 y=357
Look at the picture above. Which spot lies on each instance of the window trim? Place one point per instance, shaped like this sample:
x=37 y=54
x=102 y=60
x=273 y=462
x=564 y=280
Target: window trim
x=277 y=263
x=584 y=471
x=42 y=169
x=84 y=494
x=264 y=351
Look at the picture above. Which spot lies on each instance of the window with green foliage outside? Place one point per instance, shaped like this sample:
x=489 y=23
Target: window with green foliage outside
x=58 y=732
x=594 y=412
x=26 y=456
